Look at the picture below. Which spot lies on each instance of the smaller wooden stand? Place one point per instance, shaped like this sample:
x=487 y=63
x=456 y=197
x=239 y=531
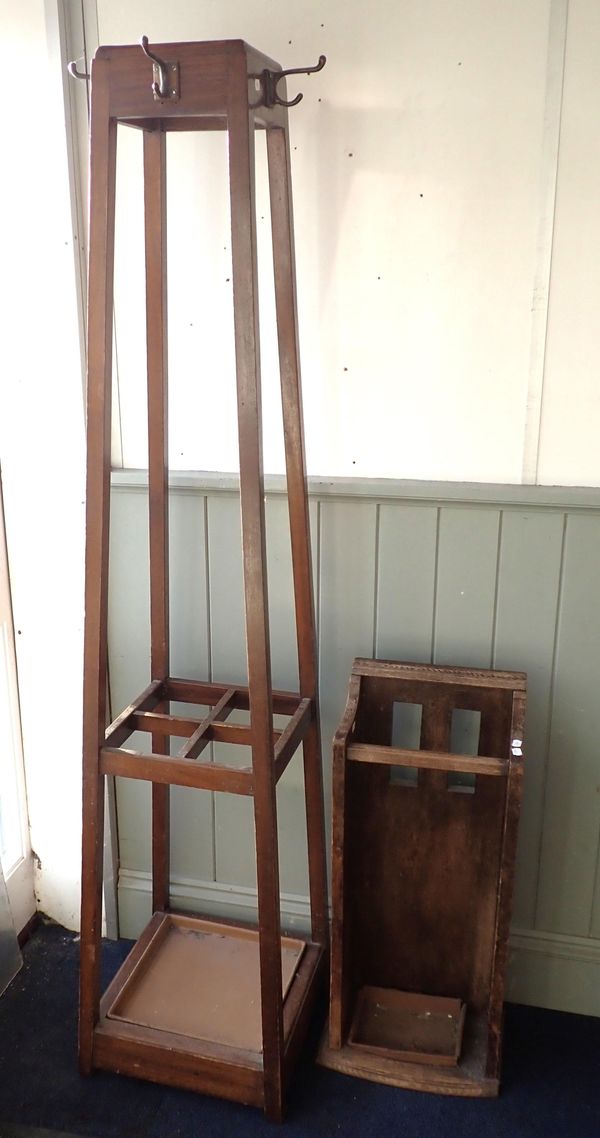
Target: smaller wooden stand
x=424 y=843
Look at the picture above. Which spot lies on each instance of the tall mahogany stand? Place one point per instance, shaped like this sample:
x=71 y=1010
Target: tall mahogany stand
x=213 y=1007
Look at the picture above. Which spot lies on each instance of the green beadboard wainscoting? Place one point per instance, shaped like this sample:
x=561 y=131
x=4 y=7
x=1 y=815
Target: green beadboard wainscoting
x=472 y=574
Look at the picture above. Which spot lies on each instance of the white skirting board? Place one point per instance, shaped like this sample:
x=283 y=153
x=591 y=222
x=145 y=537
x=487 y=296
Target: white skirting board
x=549 y=970
x=545 y=969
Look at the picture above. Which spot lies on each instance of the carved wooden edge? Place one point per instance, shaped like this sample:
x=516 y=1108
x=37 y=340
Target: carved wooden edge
x=438 y=673
x=346 y=725
x=512 y=810
x=340 y=745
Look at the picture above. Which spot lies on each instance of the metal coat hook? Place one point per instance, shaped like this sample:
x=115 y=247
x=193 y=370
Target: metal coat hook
x=165 y=76
x=72 y=69
x=270 y=79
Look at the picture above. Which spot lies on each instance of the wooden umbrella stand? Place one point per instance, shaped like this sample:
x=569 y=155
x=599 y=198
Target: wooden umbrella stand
x=427 y=775
x=210 y=1006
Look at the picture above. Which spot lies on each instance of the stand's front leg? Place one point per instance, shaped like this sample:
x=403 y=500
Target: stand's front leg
x=245 y=298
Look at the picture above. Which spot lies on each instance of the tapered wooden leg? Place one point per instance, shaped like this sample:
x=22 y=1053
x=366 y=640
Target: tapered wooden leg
x=155 y=203
x=102 y=214
x=245 y=295
x=289 y=362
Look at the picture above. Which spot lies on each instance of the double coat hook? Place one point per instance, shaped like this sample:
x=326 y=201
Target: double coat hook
x=270 y=79
x=165 y=76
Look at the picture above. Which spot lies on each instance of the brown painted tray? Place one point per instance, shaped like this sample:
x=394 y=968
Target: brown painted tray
x=408 y=1025
x=201 y=979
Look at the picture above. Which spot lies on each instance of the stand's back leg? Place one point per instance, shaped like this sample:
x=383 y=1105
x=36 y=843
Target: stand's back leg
x=287 y=332
x=155 y=190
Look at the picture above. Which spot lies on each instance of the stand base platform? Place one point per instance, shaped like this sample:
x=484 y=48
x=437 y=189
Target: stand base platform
x=466 y=1078
x=408 y=1025
x=184 y=1009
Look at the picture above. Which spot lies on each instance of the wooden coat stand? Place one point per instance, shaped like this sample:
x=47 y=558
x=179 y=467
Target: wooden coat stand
x=157 y=1019
x=424 y=844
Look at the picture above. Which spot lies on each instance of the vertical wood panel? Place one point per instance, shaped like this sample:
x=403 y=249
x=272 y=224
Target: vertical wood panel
x=284 y=669
x=190 y=655
x=528 y=584
x=235 y=858
x=466 y=586
x=293 y=857
x=346 y=605
x=129 y=592
x=572 y=802
x=129 y=658
x=226 y=590
x=406 y=582
x=284 y=662
x=192 y=840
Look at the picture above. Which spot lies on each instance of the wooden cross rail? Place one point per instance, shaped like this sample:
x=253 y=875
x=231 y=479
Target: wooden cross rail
x=163 y=769
x=427 y=760
x=199 y=738
x=184 y=769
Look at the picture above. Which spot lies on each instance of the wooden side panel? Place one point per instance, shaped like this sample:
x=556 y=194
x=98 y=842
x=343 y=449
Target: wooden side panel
x=406 y=582
x=188 y=587
x=226 y=590
x=192 y=846
x=572 y=804
x=284 y=664
x=129 y=659
x=346 y=605
x=129 y=593
x=466 y=586
x=525 y=631
x=235 y=859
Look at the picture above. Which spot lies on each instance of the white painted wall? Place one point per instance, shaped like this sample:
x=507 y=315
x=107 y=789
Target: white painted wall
x=42 y=446
x=571 y=407
x=425 y=163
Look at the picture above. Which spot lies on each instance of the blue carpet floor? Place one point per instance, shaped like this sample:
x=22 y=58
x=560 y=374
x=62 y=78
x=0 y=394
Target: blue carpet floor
x=551 y=1078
